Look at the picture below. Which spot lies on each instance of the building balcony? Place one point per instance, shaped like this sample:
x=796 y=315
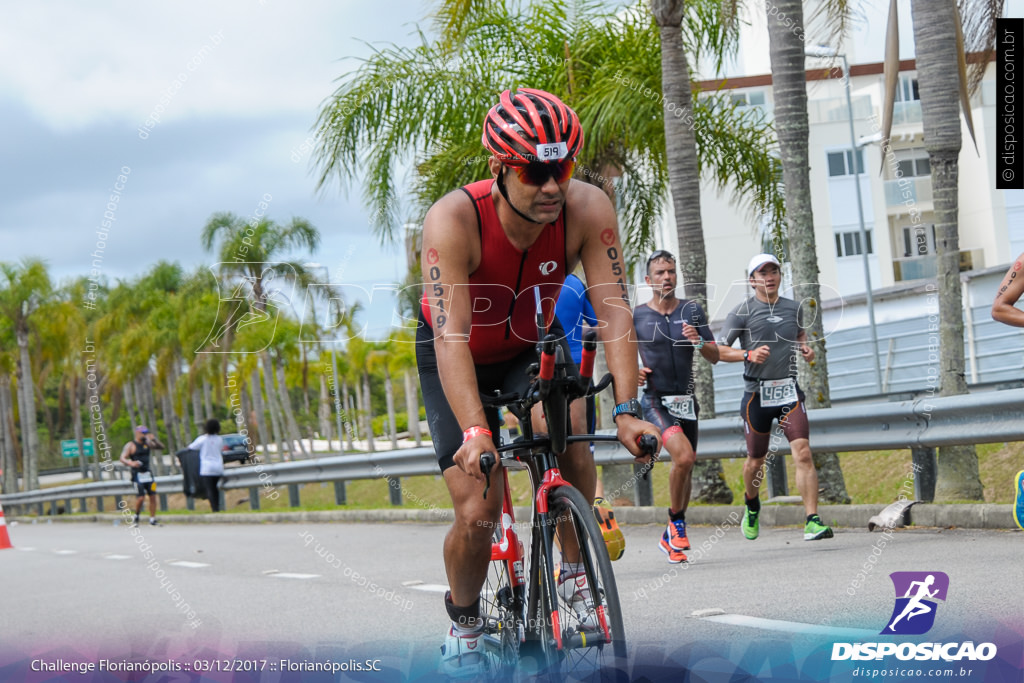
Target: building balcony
x=906 y=113
x=914 y=268
x=924 y=267
x=834 y=109
x=904 y=194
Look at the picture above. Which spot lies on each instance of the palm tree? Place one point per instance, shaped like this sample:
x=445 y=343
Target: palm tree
x=251 y=262
x=426 y=103
x=380 y=361
x=8 y=440
x=25 y=288
x=408 y=99
x=789 y=88
x=684 y=190
x=943 y=34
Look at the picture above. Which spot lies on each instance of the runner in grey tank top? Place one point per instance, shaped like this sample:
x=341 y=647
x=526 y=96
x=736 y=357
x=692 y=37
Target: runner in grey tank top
x=776 y=325
x=769 y=328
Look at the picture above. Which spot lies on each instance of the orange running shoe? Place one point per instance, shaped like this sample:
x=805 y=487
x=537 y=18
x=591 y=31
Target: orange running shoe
x=613 y=538
x=677 y=535
x=674 y=556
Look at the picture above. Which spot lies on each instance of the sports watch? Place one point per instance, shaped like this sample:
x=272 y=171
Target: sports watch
x=630 y=407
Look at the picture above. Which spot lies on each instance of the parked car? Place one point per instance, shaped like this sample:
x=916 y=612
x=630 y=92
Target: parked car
x=234 y=448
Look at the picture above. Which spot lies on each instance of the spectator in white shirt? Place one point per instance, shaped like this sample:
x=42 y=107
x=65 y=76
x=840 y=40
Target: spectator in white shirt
x=211 y=463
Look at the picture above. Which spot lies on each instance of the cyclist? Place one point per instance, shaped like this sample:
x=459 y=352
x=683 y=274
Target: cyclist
x=573 y=310
x=1004 y=311
x=488 y=248
x=770 y=330
x=136 y=455
x=668 y=330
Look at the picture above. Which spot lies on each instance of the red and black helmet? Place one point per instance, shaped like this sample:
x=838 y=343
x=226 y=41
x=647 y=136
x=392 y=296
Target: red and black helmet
x=532 y=125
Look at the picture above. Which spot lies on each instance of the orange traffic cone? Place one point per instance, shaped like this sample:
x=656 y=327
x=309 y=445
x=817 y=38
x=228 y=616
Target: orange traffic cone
x=5 y=539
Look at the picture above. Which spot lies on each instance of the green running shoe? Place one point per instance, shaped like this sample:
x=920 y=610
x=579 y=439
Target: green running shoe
x=750 y=524
x=815 y=530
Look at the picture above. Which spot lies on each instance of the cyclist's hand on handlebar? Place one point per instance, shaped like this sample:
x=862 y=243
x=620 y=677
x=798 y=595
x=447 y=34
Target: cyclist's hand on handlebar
x=467 y=458
x=630 y=429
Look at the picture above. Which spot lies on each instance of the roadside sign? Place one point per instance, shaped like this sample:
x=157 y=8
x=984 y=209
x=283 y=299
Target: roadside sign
x=69 y=448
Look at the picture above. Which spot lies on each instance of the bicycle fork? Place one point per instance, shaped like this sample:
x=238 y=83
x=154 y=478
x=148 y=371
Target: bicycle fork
x=510 y=550
x=552 y=480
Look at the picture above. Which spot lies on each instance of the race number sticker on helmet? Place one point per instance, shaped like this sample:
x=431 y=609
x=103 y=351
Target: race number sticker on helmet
x=552 y=151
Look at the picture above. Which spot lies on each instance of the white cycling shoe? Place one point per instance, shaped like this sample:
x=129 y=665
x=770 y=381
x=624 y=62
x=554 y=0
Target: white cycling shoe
x=575 y=590
x=471 y=656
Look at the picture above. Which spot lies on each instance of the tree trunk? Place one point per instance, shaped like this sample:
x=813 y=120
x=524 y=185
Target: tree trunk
x=789 y=86
x=170 y=418
x=30 y=436
x=206 y=399
x=272 y=407
x=389 y=395
x=347 y=424
x=186 y=419
x=76 y=424
x=257 y=406
x=957 y=475
x=148 y=400
x=324 y=413
x=684 y=186
x=197 y=407
x=8 y=456
x=291 y=425
x=305 y=377
x=129 y=405
x=412 y=408
x=368 y=413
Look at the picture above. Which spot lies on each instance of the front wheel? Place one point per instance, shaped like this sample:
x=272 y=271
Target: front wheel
x=586 y=612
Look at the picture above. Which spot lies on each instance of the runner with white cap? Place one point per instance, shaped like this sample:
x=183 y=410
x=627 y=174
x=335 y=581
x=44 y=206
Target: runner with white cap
x=770 y=330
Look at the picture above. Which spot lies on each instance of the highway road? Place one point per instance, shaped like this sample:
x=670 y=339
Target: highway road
x=360 y=589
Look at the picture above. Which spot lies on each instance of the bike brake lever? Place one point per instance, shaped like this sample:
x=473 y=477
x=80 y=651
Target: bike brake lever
x=487 y=462
x=647 y=444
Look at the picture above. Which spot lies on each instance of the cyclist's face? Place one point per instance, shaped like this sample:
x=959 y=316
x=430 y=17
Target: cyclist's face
x=661 y=276
x=542 y=203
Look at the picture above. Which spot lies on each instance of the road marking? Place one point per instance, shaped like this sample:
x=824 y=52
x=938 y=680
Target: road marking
x=788 y=626
x=65 y=552
x=117 y=557
x=292 y=575
x=430 y=587
x=187 y=564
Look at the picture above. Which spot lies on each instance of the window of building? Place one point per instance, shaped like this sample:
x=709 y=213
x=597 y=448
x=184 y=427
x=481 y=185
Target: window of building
x=747 y=99
x=918 y=240
x=841 y=163
x=906 y=90
x=849 y=243
x=913 y=163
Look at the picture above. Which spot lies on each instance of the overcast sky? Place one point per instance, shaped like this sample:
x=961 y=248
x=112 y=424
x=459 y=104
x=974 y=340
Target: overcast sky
x=236 y=86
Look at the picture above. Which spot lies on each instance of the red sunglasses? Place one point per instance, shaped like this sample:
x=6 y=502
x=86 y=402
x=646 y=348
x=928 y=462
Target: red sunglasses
x=536 y=173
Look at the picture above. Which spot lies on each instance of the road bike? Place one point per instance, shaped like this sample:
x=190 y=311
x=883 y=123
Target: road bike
x=572 y=630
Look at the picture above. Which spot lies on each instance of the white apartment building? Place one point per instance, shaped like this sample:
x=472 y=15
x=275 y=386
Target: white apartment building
x=899 y=256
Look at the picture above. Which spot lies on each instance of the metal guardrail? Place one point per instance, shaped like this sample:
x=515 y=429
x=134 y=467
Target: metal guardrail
x=989 y=417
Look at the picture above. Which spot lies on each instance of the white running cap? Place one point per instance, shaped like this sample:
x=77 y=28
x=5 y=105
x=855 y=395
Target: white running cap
x=758 y=261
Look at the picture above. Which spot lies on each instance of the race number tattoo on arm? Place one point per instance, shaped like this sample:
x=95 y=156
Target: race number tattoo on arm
x=1009 y=280
x=436 y=289
x=618 y=271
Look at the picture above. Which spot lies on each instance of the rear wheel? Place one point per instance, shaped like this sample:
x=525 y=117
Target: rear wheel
x=585 y=614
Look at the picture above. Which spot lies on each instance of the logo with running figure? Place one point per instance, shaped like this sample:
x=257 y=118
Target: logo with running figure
x=916 y=593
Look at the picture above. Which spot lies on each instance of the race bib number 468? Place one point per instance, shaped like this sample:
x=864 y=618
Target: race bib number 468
x=778 y=392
